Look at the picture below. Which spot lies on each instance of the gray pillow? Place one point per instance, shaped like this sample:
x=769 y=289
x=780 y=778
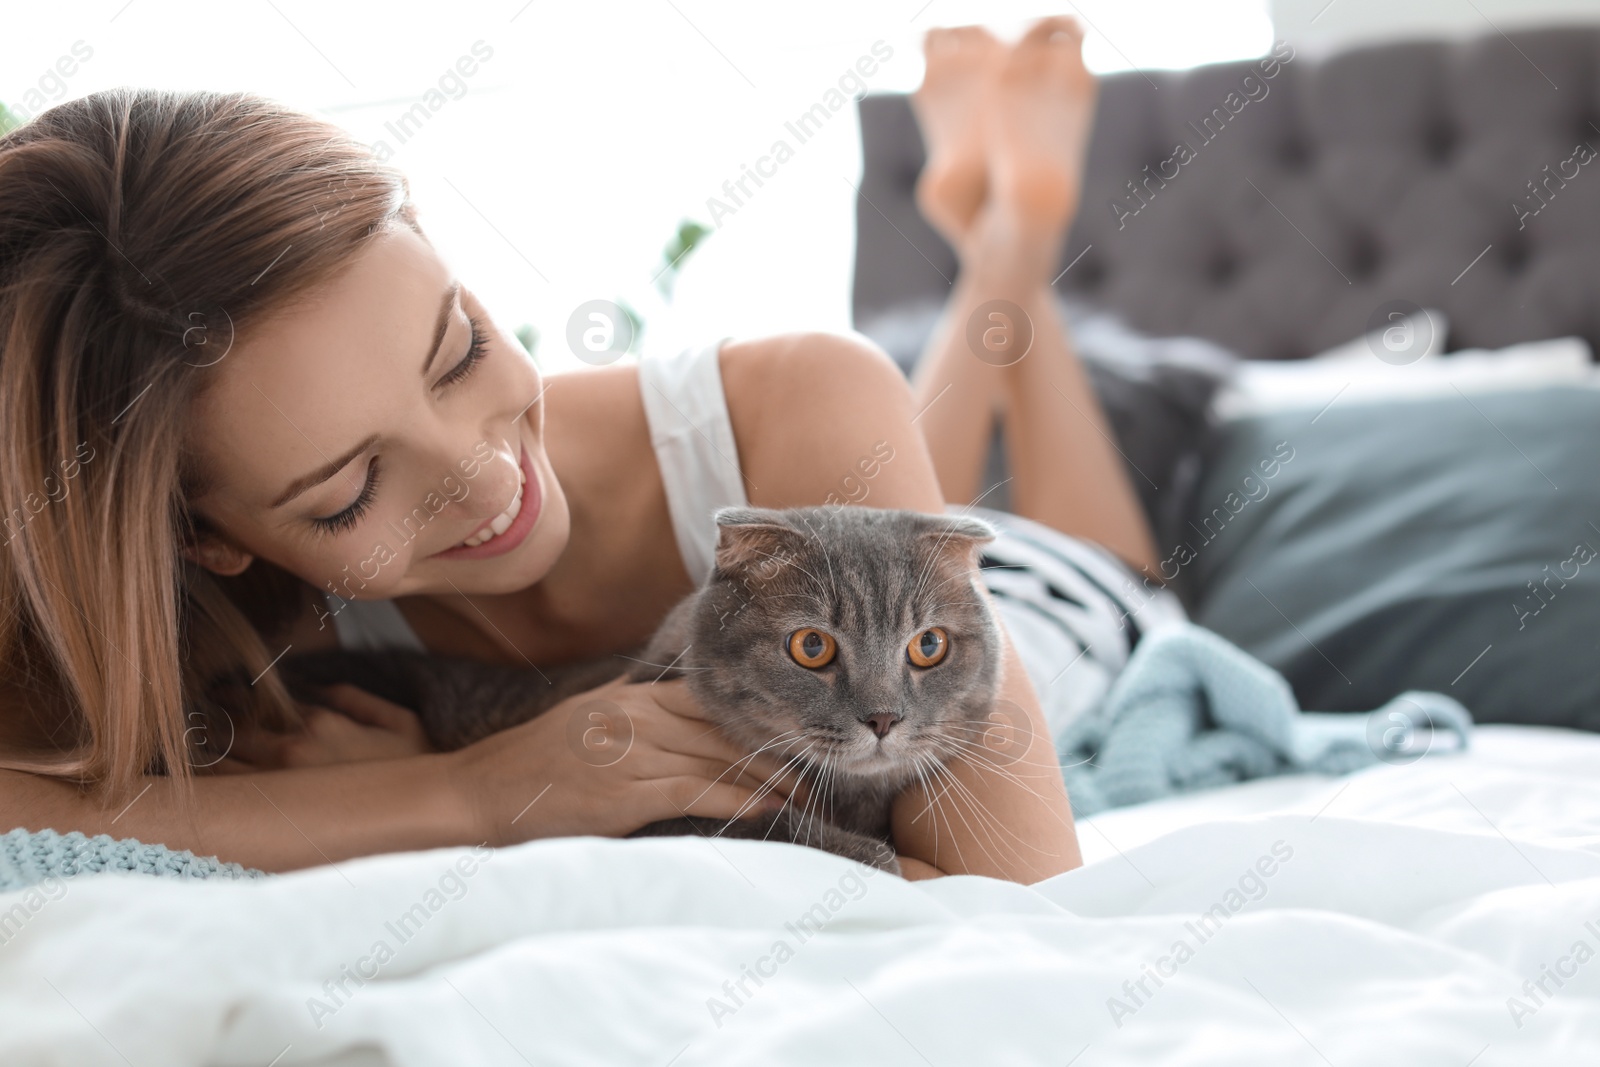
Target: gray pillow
x=1445 y=543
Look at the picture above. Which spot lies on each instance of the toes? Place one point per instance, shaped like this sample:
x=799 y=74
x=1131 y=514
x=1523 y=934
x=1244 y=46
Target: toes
x=1052 y=49
x=1057 y=30
x=962 y=38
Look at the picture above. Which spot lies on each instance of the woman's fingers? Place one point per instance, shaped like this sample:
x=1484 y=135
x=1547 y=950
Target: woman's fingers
x=715 y=756
x=229 y=765
x=676 y=698
x=696 y=736
x=369 y=708
x=718 y=771
x=686 y=731
x=712 y=800
x=374 y=711
x=261 y=749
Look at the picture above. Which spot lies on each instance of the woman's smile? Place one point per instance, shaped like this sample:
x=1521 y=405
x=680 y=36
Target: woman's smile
x=511 y=527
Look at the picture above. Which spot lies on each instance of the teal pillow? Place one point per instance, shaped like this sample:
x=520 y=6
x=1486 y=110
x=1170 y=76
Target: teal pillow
x=1447 y=543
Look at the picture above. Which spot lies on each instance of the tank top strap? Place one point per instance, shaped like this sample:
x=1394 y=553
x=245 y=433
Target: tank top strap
x=692 y=436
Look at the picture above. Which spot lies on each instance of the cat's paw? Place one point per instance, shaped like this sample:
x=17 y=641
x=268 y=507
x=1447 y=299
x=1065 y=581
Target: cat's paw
x=885 y=859
x=870 y=851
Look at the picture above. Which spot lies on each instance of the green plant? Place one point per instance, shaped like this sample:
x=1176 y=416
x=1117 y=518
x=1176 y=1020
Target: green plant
x=689 y=236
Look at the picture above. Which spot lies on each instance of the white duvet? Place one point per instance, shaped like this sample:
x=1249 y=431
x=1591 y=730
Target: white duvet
x=1446 y=912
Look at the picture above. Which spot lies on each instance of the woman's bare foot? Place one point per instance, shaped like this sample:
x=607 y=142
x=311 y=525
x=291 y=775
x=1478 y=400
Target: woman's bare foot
x=1037 y=129
x=951 y=105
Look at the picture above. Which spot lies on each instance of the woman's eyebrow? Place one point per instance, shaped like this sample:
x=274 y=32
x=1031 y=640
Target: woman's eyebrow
x=442 y=325
x=323 y=473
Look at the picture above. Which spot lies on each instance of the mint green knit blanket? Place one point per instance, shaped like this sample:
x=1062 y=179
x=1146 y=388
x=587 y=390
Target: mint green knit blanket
x=28 y=858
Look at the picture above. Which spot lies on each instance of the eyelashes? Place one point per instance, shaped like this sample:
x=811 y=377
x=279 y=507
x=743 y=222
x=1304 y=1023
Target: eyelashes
x=475 y=353
x=346 y=519
x=352 y=514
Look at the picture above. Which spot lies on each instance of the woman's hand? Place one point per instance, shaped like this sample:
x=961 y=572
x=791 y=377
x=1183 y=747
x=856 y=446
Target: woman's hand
x=349 y=726
x=609 y=761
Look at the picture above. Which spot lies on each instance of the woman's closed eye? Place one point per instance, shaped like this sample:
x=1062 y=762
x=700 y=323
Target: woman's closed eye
x=469 y=362
x=351 y=515
x=347 y=518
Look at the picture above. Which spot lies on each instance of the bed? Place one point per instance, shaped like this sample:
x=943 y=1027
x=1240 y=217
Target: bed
x=1438 y=911
x=1444 y=912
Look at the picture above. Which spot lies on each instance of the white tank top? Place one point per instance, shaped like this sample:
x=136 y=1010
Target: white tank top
x=693 y=441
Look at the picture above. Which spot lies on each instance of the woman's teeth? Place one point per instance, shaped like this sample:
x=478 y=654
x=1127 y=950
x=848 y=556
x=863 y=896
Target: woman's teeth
x=501 y=522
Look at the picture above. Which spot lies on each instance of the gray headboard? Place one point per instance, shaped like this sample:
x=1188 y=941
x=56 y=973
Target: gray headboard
x=1336 y=186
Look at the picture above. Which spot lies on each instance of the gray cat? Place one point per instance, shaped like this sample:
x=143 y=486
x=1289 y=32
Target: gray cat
x=852 y=641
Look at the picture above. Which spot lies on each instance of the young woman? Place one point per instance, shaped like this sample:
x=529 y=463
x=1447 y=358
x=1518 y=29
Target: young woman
x=247 y=409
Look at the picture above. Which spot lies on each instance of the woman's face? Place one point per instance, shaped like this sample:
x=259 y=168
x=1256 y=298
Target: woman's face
x=370 y=439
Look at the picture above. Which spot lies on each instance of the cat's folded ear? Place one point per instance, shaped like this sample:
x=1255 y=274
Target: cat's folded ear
x=753 y=540
x=956 y=535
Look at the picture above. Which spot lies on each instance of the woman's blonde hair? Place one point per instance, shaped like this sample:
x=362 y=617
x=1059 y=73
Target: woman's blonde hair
x=139 y=232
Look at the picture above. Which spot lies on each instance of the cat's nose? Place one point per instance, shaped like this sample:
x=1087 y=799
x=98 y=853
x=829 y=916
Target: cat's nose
x=882 y=723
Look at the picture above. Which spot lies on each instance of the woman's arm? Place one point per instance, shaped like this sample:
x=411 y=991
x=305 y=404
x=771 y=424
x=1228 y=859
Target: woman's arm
x=807 y=410
x=275 y=820
x=340 y=798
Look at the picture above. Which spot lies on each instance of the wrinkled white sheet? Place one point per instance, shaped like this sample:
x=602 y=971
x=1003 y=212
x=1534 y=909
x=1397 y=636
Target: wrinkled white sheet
x=1407 y=915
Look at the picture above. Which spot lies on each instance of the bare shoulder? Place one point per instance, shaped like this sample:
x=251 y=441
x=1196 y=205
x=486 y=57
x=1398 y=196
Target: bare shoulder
x=825 y=418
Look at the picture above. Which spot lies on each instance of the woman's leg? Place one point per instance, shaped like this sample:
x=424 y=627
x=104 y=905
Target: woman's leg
x=1038 y=104
x=958 y=396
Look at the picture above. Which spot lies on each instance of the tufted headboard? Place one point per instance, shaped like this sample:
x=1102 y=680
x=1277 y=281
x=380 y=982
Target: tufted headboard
x=1462 y=175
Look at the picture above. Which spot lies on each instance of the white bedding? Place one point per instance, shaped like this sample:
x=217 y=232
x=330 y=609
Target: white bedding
x=1400 y=911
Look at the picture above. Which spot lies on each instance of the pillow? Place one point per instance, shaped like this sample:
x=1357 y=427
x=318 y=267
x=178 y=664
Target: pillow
x=1264 y=385
x=1433 y=542
x=1156 y=393
x=1259 y=388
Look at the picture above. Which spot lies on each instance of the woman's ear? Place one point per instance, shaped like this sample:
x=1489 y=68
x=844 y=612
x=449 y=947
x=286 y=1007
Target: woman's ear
x=217 y=555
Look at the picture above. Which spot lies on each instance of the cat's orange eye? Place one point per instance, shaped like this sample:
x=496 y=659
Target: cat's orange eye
x=812 y=648
x=928 y=647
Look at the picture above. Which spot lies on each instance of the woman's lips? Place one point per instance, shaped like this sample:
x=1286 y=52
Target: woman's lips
x=532 y=502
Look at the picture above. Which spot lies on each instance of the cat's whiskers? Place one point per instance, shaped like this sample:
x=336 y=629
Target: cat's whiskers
x=825 y=809
x=987 y=822
x=959 y=576
x=935 y=556
x=822 y=606
x=984 y=761
x=823 y=544
x=936 y=771
x=982 y=812
x=980 y=754
x=810 y=815
x=798 y=758
x=797 y=566
x=1005 y=772
x=736 y=768
x=991 y=759
x=664 y=666
x=766 y=788
x=927 y=791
